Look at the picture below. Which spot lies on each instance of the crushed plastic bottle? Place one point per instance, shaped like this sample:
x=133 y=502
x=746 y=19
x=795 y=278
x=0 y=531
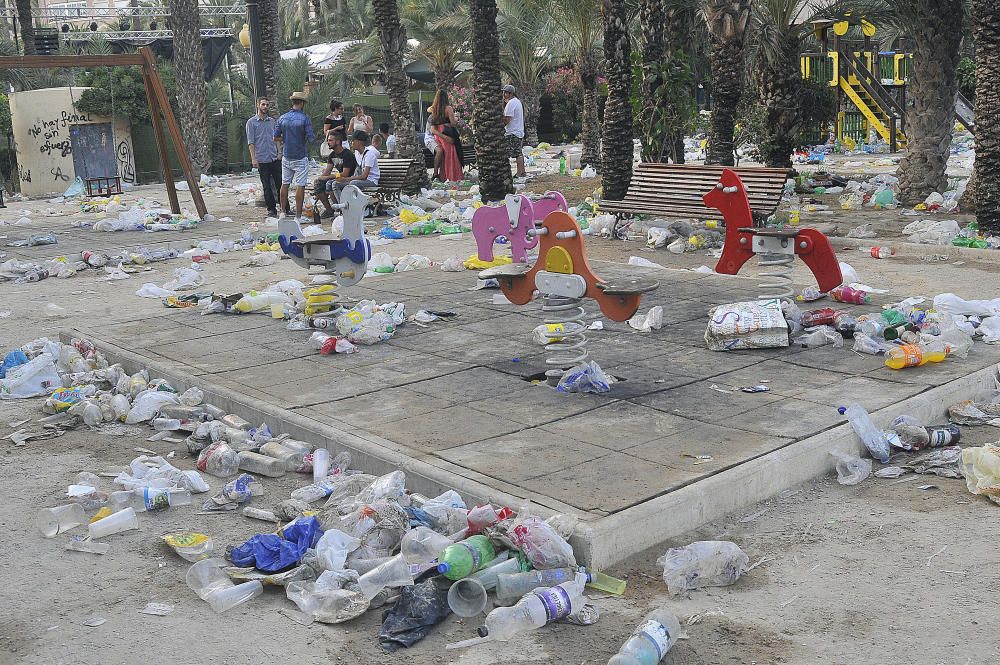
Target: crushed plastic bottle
x=876 y=441
x=650 y=641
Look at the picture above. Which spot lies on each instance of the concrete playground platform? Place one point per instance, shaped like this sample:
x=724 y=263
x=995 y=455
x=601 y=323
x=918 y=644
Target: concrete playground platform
x=673 y=445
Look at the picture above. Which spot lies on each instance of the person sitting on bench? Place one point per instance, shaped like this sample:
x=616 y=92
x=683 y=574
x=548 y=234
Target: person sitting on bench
x=341 y=164
x=366 y=176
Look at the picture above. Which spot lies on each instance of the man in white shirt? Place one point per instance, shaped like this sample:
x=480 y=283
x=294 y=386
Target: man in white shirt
x=388 y=140
x=513 y=120
x=367 y=175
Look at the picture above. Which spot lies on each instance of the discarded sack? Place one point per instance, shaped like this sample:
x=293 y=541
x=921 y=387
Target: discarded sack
x=982 y=470
x=701 y=564
x=757 y=324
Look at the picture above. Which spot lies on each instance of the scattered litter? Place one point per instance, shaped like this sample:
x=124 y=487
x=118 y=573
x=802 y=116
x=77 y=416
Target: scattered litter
x=157 y=609
x=94 y=621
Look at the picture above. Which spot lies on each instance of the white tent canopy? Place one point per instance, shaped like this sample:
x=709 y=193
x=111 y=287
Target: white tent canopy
x=321 y=56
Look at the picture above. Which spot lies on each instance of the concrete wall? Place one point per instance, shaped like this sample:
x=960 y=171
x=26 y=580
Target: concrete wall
x=41 y=122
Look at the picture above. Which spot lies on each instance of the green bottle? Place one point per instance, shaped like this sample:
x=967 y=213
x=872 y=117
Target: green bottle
x=562 y=164
x=893 y=317
x=466 y=557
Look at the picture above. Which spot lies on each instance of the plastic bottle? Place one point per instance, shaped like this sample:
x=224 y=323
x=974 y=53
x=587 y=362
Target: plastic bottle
x=514 y=586
x=562 y=164
x=255 y=301
x=465 y=557
x=423 y=545
x=650 y=641
x=142 y=499
x=893 y=317
x=850 y=295
x=915 y=355
x=181 y=412
x=875 y=440
x=314 y=492
x=166 y=424
x=219 y=459
x=880 y=252
x=292 y=459
x=845 y=324
x=880 y=329
x=818 y=317
x=533 y=611
x=261 y=464
x=944 y=435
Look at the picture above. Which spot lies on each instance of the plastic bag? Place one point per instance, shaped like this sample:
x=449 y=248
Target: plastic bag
x=76 y=189
x=981 y=467
x=588 y=172
x=412 y=262
x=820 y=336
x=185 y=279
x=36 y=377
x=541 y=543
x=236 y=492
x=325 y=600
x=703 y=563
x=380 y=262
x=150 y=290
x=657 y=237
x=651 y=320
x=146 y=405
x=851 y=469
x=453 y=264
x=585 y=378
x=271 y=552
x=420 y=607
x=333 y=548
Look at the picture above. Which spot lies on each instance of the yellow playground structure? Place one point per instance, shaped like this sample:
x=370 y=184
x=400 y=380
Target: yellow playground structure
x=870 y=83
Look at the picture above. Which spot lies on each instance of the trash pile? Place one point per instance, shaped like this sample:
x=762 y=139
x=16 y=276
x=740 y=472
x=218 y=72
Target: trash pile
x=117 y=266
x=342 y=543
x=948 y=232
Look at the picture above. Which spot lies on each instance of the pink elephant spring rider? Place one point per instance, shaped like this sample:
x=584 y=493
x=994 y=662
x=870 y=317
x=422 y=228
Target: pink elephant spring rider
x=513 y=219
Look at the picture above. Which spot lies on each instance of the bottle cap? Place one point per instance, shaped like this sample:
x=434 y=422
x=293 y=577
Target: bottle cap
x=483 y=631
x=444 y=567
x=841 y=410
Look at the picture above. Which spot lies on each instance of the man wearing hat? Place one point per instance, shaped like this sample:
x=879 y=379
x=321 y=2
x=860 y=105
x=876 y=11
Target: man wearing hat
x=293 y=133
x=513 y=120
x=366 y=175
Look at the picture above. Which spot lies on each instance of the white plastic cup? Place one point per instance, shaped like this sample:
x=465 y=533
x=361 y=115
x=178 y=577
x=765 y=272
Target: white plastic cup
x=321 y=464
x=123 y=520
x=467 y=597
x=227 y=598
x=53 y=521
x=393 y=573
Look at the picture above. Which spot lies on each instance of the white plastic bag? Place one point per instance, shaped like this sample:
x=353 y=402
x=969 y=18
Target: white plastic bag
x=36 y=377
x=150 y=290
x=453 y=264
x=541 y=543
x=585 y=378
x=851 y=469
x=147 y=404
x=643 y=263
x=703 y=563
x=651 y=320
x=588 y=172
x=412 y=262
x=185 y=279
x=333 y=548
x=656 y=237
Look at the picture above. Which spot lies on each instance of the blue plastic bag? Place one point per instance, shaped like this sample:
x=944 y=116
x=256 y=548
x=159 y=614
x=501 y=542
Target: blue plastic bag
x=270 y=552
x=12 y=360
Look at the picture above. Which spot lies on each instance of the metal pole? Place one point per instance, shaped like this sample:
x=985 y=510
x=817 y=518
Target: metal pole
x=892 y=133
x=256 y=60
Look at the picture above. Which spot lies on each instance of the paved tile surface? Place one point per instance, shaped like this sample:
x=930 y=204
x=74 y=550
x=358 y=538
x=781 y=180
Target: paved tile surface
x=457 y=392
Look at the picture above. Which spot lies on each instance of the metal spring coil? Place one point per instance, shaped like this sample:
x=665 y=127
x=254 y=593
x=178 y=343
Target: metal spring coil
x=782 y=288
x=571 y=349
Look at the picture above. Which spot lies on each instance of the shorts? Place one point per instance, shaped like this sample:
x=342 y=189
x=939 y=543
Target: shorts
x=294 y=171
x=321 y=186
x=360 y=184
x=513 y=145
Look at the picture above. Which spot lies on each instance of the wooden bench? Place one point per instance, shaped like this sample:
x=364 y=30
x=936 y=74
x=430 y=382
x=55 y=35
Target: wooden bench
x=468 y=152
x=675 y=190
x=392 y=175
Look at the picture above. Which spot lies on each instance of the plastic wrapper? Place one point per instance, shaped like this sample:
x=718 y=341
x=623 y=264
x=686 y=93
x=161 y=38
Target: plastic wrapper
x=585 y=378
x=189 y=545
x=326 y=600
x=540 y=542
x=851 y=469
x=219 y=459
x=701 y=564
x=820 y=336
x=303 y=573
x=32 y=379
x=272 y=552
x=333 y=548
x=651 y=320
x=235 y=493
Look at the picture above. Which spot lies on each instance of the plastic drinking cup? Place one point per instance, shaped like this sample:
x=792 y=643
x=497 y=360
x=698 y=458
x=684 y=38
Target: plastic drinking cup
x=467 y=597
x=227 y=598
x=321 y=464
x=123 y=520
x=53 y=521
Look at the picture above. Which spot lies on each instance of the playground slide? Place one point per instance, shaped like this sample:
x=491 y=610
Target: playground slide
x=964 y=112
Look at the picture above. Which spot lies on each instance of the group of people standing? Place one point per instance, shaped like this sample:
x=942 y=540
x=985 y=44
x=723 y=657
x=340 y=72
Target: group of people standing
x=279 y=149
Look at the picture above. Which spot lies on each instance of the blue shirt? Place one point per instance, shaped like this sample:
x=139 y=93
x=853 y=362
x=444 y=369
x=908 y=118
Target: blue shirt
x=260 y=134
x=295 y=129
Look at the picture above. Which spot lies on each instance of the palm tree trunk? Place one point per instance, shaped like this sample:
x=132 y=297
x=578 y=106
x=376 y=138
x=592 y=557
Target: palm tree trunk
x=527 y=92
x=932 y=88
x=617 y=128
x=27 y=25
x=189 y=70
x=652 y=23
x=487 y=112
x=304 y=17
x=444 y=78
x=270 y=32
x=778 y=83
x=590 y=132
x=392 y=39
x=986 y=17
x=678 y=49
x=727 y=89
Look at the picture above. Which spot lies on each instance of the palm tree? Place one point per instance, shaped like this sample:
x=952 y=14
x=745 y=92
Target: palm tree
x=270 y=31
x=986 y=28
x=616 y=171
x=579 y=23
x=27 y=25
x=522 y=59
x=935 y=31
x=494 y=166
x=441 y=28
x=727 y=22
x=392 y=38
x=189 y=70
x=652 y=35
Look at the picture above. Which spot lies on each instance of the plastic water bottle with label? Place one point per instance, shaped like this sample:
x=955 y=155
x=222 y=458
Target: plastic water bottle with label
x=142 y=499
x=651 y=640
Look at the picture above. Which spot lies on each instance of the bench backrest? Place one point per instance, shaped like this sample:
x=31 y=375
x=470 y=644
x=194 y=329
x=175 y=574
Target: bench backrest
x=678 y=188
x=392 y=172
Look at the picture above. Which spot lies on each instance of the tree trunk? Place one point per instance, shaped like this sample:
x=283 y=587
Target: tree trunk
x=652 y=23
x=392 y=39
x=727 y=89
x=189 y=71
x=27 y=25
x=304 y=18
x=617 y=128
x=270 y=36
x=679 y=49
x=932 y=88
x=527 y=92
x=495 y=179
x=444 y=77
x=778 y=84
x=590 y=132
x=986 y=21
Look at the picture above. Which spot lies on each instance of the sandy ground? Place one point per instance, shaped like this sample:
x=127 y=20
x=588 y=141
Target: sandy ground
x=848 y=576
